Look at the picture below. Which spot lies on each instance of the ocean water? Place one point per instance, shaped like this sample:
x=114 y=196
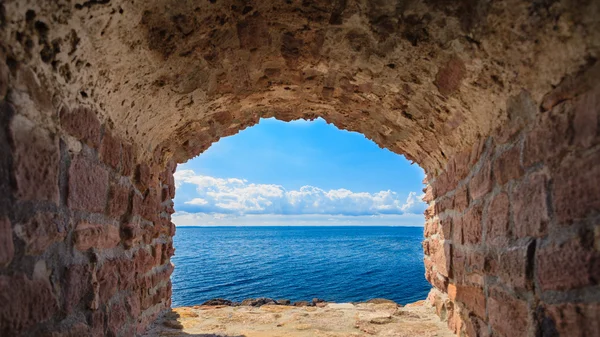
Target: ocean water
x=338 y=264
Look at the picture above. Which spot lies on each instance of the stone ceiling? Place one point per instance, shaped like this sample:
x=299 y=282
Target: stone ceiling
x=421 y=78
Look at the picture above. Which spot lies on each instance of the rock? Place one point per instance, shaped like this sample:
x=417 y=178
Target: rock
x=381 y=320
x=381 y=300
x=258 y=301
x=173 y=324
x=318 y=300
x=340 y=305
x=301 y=304
x=283 y=302
x=217 y=301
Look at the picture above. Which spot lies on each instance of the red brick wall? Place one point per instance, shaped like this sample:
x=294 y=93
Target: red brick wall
x=85 y=230
x=513 y=230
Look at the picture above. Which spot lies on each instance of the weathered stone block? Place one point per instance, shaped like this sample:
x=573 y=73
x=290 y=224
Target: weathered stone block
x=576 y=195
x=118 y=200
x=128 y=159
x=40 y=231
x=24 y=303
x=7 y=250
x=88 y=185
x=460 y=202
x=481 y=183
x=567 y=265
x=472 y=225
x=529 y=206
x=75 y=286
x=99 y=236
x=110 y=150
x=575 y=319
x=514 y=265
x=508 y=166
x=472 y=298
x=504 y=308
x=497 y=221
x=83 y=124
x=36 y=157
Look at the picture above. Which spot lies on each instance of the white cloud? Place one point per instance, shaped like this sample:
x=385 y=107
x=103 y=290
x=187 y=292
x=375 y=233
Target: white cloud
x=220 y=219
x=239 y=197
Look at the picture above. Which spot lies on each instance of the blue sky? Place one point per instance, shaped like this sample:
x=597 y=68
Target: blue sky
x=298 y=173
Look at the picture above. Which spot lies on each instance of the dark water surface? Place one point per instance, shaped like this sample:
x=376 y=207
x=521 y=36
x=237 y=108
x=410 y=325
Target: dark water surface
x=338 y=264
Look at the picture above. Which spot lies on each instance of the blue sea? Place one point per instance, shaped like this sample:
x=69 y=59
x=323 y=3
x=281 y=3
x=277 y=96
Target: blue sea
x=337 y=264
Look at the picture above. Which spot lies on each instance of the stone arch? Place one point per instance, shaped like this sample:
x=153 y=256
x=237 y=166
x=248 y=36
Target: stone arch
x=496 y=101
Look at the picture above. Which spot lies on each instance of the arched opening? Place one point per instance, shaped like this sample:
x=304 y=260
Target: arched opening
x=330 y=204
x=496 y=101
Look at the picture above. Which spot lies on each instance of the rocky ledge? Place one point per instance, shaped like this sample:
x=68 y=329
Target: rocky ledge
x=270 y=318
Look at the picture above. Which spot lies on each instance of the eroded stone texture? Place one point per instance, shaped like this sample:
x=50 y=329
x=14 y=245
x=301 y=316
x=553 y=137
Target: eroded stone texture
x=420 y=78
x=496 y=100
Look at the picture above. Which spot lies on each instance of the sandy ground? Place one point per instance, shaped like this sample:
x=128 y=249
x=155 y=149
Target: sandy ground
x=330 y=320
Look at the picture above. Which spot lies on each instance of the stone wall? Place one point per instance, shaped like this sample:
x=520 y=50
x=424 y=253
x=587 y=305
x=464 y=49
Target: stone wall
x=85 y=230
x=513 y=233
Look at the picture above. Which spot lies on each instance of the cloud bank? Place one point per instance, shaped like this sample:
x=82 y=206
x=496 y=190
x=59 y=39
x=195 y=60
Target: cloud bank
x=234 y=197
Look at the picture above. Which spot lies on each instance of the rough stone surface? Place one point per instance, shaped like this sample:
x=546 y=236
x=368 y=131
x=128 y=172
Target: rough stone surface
x=331 y=320
x=497 y=101
x=88 y=185
x=7 y=250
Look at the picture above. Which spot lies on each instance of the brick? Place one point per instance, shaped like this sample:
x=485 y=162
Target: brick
x=576 y=320
x=144 y=261
x=481 y=183
x=585 y=121
x=150 y=207
x=118 y=199
x=468 y=266
x=472 y=225
x=143 y=177
x=508 y=166
x=529 y=206
x=513 y=266
x=576 y=189
x=110 y=150
x=83 y=124
x=24 y=303
x=117 y=316
x=99 y=236
x=131 y=234
x=460 y=201
x=128 y=159
x=457 y=230
x=75 y=286
x=441 y=255
x=7 y=250
x=504 y=308
x=549 y=138
x=442 y=204
x=430 y=228
x=446 y=228
x=35 y=159
x=497 y=221
x=476 y=327
x=567 y=265
x=41 y=231
x=157 y=253
x=88 y=185
x=472 y=298
x=429 y=212
x=441 y=185
x=108 y=278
